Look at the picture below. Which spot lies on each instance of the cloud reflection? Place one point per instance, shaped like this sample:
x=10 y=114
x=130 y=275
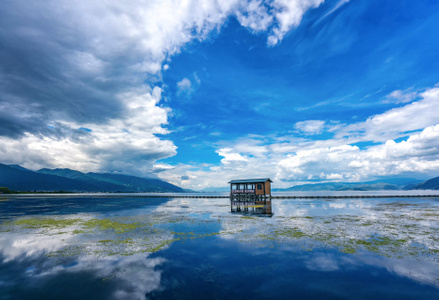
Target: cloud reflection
x=131 y=276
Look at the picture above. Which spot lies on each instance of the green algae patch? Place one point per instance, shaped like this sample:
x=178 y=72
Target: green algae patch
x=386 y=241
x=348 y=250
x=105 y=241
x=80 y=231
x=391 y=230
x=106 y=224
x=126 y=241
x=363 y=242
x=436 y=215
x=161 y=245
x=36 y=223
x=289 y=233
x=367 y=224
x=86 y=225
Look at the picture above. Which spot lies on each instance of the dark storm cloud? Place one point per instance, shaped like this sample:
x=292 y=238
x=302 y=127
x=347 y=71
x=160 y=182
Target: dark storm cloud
x=49 y=70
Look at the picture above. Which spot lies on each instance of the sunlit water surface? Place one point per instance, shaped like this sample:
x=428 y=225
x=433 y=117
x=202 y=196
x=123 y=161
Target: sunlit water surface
x=85 y=247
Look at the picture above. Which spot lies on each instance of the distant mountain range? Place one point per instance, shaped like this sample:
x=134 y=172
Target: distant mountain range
x=431 y=184
x=18 y=178
x=381 y=184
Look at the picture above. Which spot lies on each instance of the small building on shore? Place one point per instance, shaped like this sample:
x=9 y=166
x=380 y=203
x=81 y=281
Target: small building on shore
x=250 y=188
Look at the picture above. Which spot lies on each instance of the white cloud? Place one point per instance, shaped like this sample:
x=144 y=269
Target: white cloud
x=230 y=156
x=254 y=16
x=290 y=160
x=89 y=62
x=289 y=14
x=132 y=283
x=99 y=55
x=311 y=126
x=336 y=7
x=126 y=144
x=136 y=274
x=184 y=87
x=395 y=122
x=399 y=96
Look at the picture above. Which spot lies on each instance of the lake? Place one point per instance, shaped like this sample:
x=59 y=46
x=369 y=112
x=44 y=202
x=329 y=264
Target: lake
x=125 y=247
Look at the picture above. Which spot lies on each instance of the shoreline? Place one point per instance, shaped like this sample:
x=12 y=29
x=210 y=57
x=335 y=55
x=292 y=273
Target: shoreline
x=114 y=195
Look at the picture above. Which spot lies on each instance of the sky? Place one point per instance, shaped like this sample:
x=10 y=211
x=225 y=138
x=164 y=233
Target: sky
x=200 y=92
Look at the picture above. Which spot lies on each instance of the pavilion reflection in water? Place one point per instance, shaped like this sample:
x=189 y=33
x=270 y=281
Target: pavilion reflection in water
x=258 y=208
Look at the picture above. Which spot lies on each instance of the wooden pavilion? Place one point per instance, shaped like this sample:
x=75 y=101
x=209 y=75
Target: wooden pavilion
x=251 y=196
x=250 y=189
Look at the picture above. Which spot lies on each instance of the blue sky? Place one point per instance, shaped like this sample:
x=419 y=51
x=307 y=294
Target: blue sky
x=197 y=93
x=334 y=68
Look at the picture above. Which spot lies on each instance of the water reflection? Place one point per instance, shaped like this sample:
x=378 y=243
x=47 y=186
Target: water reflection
x=179 y=247
x=262 y=208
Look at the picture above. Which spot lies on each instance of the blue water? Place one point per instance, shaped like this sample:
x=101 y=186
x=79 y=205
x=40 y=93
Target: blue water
x=85 y=247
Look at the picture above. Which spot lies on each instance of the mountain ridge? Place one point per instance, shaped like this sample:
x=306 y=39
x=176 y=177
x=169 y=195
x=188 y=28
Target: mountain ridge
x=430 y=184
x=20 y=179
x=374 y=185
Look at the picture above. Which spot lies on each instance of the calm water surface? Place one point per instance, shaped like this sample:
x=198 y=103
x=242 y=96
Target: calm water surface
x=85 y=247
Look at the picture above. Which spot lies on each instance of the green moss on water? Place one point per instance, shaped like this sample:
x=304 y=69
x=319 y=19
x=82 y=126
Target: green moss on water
x=126 y=241
x=35 y=223
x=348 y=250
x=435 y=215
x=289 y=233
x=363 y=242
x=394 y=234
x=106 y=224
x=385 y=241
x=86 y=225
x=161 y=245
x=79 y=231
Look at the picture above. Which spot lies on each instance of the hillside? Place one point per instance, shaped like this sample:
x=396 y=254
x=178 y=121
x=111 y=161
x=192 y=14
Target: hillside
x=46 y=180
x=431 y=184
x=382 y=184
x=20 y=179
x=116 y=182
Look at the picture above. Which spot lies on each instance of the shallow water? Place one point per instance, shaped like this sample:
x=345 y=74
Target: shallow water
x=76 y=247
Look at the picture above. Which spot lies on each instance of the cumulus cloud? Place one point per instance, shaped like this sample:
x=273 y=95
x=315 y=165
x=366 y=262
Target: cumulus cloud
x=254 y=16
x=398 y=121
x=127 y=144
x=84 y=65
x=230 y=156
x=96 y=66
x=290 y=160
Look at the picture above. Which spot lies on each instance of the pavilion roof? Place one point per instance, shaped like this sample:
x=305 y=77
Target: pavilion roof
x=259 y=180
